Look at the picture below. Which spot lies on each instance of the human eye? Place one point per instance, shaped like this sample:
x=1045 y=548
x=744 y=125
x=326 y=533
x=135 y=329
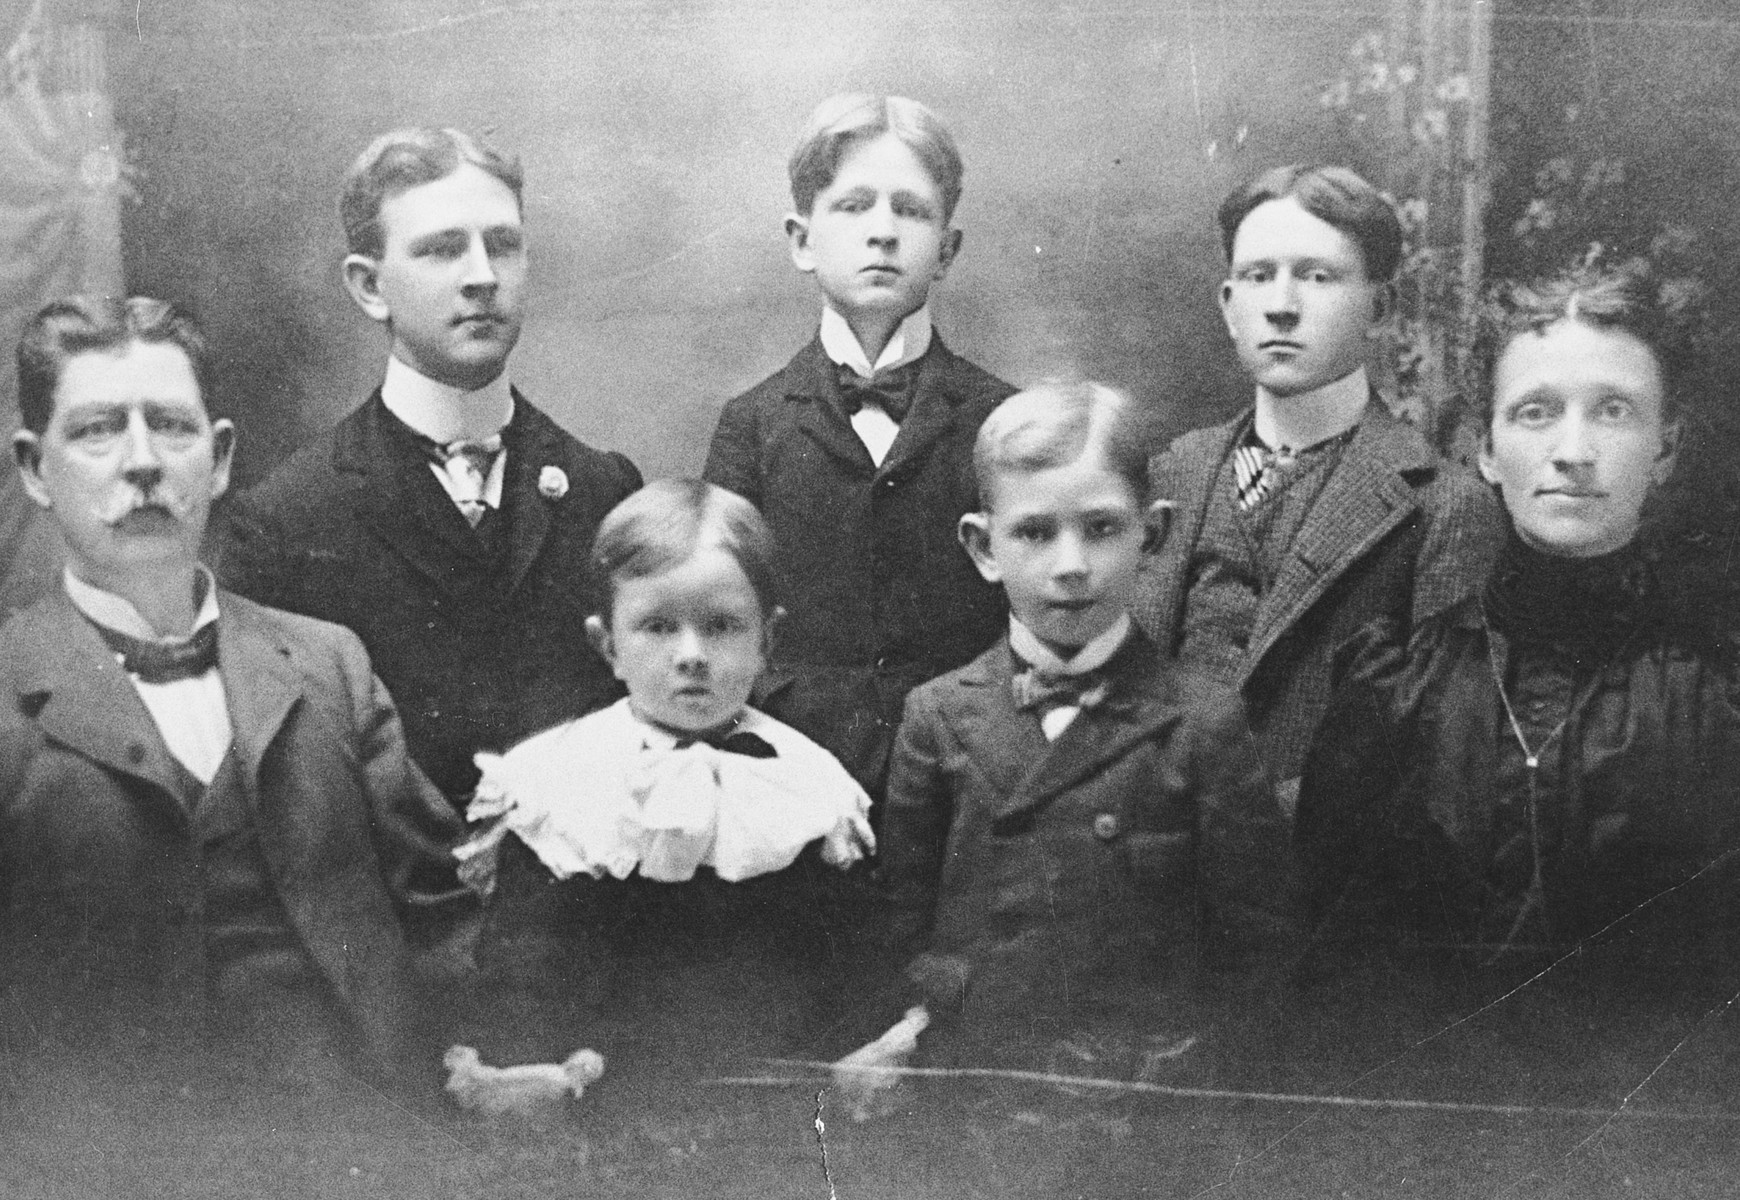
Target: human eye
x=657 y=625
x=913 y=207
x=504 y=242
x=1319 y=274
x=1615 y=410
x=95 y=427
x=1532 y=412
x=1254 y=273
x=173 y=424
x=1103 y=526
x=448 y=244
x=1034 y=531
x=855 y=201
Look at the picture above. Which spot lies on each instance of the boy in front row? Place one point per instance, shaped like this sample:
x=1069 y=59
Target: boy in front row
x=1071 y=815
x=858 y=452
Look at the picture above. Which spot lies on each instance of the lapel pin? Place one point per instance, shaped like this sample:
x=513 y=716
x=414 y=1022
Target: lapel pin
x=552 y=483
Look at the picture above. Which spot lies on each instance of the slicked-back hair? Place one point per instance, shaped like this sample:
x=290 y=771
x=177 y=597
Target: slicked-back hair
x=849 y=119
x=86 y=324
x=1053 y=425
x=668 y=522
x=406 y=158
x=1664 y=314
x=1334 y=195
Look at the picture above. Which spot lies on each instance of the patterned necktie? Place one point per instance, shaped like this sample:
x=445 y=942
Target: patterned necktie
x=467 y=465
x=1038 y=690
x=1256 y=470
x=890 y=390
x=738 y=741
x=164 y=662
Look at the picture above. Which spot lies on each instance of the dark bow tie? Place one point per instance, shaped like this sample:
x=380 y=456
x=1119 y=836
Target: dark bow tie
x=889 y=390
x=1036 y=689
x=738 y=741
x=164 y=662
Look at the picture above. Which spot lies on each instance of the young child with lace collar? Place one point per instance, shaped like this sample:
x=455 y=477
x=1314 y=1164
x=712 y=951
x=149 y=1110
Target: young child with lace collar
x=590 y=825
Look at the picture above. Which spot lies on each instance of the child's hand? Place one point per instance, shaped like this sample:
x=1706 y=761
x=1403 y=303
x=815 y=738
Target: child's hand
x=866 y=1079
x=850 y=841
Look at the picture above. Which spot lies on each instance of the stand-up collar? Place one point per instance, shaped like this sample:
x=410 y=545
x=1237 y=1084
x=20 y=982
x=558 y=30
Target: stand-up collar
x=1309 y=418
x=117 y=613
x=442 y=413
x=911 y=339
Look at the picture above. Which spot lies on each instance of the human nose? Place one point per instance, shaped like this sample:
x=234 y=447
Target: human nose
x=1281 y=300
x=1575 y=444
x=883 y=229
x=479 y=270
x=690 y=649
x=141 y=463
x=1069 y=557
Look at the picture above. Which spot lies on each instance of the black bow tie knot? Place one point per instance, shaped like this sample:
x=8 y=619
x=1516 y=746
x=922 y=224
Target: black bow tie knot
x=890 y=390
x=164 y=662
x=737 y=741
x=1035 y=689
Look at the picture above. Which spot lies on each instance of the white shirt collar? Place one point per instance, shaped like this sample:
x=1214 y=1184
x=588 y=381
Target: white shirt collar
x=911 y=339
x=442 y=413
x=114 y=612
x=1301 y=421
x=1091 y=656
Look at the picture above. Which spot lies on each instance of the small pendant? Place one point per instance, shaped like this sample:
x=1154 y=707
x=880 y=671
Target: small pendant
x=1531 y=762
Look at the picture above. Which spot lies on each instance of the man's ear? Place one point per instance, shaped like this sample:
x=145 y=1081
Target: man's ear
x=1383 y=307
x=598 y=633
x=223 y=452
x=362 y=279
x=27 y=451
x=1156 y=521
x=947 y=252
x=1226 y=311
x=797 y=236
x=975 y=534
x=1663 y=468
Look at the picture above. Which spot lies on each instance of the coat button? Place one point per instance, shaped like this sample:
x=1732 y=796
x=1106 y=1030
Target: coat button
x=1106 y=827
x=136 y=752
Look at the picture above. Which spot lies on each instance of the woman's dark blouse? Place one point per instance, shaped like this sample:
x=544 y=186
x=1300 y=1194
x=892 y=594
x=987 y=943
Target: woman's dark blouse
x=1415 y=813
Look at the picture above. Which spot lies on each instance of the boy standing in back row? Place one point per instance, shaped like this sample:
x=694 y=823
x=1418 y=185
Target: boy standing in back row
x=859 y=452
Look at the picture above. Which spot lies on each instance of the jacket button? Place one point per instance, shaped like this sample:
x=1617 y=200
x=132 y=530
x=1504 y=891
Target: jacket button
x=136 y=752
x=1106 y=827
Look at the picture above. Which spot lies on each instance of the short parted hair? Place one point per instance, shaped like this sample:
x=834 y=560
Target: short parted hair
x=1053 y=425
x=843 y=122
x=87 y=324
x=406 y=158
x=1665 y=314
x=666 y=523
x=1334 y=195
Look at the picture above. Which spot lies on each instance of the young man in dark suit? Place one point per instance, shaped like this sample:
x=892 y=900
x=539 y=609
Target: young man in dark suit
x=859 y=451
x=1315 y=510
x=211 y=834
x=447 y=520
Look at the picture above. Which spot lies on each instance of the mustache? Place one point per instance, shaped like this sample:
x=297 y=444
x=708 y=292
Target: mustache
x=155 y=499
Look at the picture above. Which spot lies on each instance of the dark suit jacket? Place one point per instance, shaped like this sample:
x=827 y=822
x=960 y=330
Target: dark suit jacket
x=1396 y=533
x=1048 y=878
x=98 y=884
x=476 y=657
x=878 y=592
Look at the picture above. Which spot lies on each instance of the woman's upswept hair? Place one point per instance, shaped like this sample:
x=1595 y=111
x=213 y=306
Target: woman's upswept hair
x=1664 y=313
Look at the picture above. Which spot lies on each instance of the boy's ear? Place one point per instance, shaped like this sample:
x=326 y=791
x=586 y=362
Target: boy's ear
x=362 y=279
x=27 y=452
x=774 y=616
x=1383 y=306
x=975 y=534
x=946 y=253
x=797 y=236
x=598 y=633
x=1663 y=468
x=1157 y=520
x=1225 y=296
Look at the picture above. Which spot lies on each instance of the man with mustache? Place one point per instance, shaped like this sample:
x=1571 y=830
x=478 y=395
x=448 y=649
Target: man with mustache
x=211 y=834
x=1315 y=510
x=446 y=520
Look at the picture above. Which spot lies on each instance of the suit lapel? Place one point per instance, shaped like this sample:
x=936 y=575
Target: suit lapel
x=87 y=702
x=1130 y=715
x=409 y=510
x=932 y=415
x=810 y=385
x=1363 y=500
x=1185 y=476
x=260 y=682
x=538 y=447
x=1002 y=741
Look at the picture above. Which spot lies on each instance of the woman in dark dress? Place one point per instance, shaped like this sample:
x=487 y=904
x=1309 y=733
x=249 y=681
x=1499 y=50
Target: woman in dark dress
x=1555 y=763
